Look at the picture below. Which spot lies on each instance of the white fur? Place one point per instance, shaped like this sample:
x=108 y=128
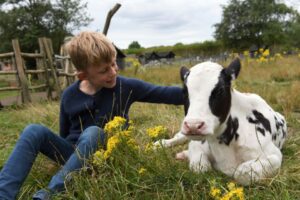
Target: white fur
x=250 y=158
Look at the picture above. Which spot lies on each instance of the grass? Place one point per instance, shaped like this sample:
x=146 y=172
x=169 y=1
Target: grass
x=277 y=82
x=7 y=81
x=6 y=94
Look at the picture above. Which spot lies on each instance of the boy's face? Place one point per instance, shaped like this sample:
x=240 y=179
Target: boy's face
x=103 y=75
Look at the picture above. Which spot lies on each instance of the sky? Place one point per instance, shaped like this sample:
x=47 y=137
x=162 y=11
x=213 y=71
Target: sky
x=159 y=22
x=156 y=22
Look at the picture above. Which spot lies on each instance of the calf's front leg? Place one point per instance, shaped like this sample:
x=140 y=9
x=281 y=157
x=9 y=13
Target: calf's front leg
x=199 y=156
x=179 y=138
x=255 y=170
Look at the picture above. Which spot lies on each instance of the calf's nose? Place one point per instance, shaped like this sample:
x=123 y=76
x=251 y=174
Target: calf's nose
x=193 y=126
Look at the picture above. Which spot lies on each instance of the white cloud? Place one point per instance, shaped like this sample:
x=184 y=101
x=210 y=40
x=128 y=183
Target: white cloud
x=157 y=22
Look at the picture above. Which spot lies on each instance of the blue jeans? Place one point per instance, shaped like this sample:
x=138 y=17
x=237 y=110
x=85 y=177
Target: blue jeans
x=36 y=138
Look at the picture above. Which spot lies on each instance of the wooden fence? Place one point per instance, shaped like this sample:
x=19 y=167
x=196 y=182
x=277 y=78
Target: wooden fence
x=48 y=75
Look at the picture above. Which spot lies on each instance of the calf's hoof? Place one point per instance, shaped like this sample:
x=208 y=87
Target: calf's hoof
x=181 y=156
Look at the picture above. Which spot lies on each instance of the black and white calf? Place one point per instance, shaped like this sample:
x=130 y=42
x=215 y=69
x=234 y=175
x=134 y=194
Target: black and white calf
x=236 y=133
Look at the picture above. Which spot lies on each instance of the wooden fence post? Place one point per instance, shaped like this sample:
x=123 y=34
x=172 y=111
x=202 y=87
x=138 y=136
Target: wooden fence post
x=110 y=14
x=39 y=66
x=21 y=72
x=49 y=53
x=42 y=62
x=67 y=65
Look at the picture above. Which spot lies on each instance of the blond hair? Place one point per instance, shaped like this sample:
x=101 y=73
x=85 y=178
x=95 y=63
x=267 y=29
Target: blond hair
x=90 y=49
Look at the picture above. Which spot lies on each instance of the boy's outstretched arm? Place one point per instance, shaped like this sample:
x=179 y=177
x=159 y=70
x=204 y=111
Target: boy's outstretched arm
x=147 y=92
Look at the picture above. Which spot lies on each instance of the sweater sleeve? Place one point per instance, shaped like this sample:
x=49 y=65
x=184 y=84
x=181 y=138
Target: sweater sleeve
x=147 y=92
x=64 y=124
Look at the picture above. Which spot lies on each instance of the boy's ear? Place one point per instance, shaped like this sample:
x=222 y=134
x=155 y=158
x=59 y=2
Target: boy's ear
x=81 y=75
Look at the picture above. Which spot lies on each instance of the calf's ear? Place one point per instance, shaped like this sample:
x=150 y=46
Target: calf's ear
x=233 y=69
x=184 y=72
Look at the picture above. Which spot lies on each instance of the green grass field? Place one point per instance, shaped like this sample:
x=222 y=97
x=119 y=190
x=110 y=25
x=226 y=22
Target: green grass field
x=278 y=82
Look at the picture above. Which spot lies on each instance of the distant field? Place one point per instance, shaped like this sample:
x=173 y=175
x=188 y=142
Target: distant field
x=278 y=82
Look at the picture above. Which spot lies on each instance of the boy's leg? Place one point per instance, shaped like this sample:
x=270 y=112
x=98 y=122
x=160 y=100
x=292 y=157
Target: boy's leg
x=87 y=144
x=34 y=139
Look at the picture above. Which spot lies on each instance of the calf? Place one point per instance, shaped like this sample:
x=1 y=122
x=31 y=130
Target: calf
x=236 y=133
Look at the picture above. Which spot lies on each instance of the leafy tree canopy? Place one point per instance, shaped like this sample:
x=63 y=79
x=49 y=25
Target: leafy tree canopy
x=134 y=45
x=258 y=22
x=29 y=19
x=294 y=32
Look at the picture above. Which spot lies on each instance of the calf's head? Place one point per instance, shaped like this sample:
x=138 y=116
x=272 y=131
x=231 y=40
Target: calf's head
x=207 y=88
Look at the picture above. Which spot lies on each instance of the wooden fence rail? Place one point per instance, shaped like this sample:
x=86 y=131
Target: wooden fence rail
x=46 y=71
x=4 y=55
x=8 y=72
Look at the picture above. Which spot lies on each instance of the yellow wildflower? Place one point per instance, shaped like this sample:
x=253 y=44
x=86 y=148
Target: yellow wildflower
x=231 y=185
x=132 y=144
x=215 y=192
x=131 y=126
x=233 y=192
x=125 y=133
x=246 y=53
x=262 y=60
x=266 y=53
x=115 y=125
x=142 y=171
x=236 y=193
x=98 y=157
x=133 y=62
x=239 y=192
x=156 y=132
x=149 y=147
x=118 y=139
x=111 y=145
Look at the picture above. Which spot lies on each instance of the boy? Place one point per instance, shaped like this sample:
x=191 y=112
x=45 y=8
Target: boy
x=86 y=106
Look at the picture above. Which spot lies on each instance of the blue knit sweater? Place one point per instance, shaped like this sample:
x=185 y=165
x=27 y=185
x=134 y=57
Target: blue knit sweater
x=79 y=110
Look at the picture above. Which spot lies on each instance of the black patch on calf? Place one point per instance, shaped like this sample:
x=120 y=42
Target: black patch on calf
x=283 y=133
x=261 y=130
x=230 y=132
x=279 y=126
x=259 y=119
x=220 y=97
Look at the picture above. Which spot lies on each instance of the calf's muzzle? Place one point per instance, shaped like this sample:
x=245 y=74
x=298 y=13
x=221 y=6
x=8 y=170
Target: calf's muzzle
x=193 y=127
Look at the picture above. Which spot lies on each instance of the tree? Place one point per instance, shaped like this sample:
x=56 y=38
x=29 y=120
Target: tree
x=178 y=44
x=294 y=32
x=134 y=45
x=29 y=19
x=258 y=22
